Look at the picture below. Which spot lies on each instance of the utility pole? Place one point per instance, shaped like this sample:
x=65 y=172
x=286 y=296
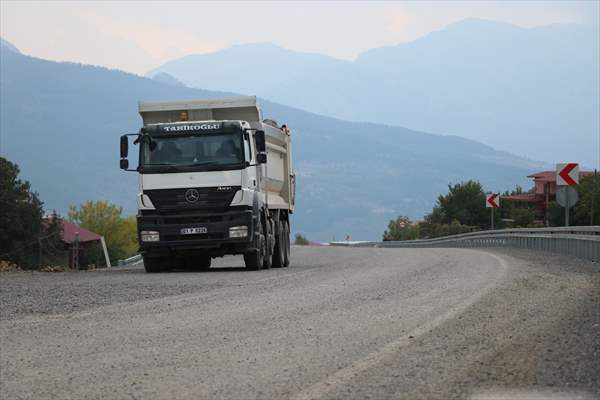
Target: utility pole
x=76 y=251
x=547 y=195
x=594 y=192
x=39 y=253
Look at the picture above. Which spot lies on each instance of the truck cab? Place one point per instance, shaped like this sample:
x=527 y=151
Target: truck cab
x=214 y=179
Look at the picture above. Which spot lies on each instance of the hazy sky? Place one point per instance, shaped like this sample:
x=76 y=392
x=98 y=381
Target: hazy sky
x=138 y=36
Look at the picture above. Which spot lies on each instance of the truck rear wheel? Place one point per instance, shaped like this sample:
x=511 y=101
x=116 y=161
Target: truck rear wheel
x=278 y=253
x=201 y=263
x=156 y=264
x=255 y=259
x=269 y=239
x=286 y=241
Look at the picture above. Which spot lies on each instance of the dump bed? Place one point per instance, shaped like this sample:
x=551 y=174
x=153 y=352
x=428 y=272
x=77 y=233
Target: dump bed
x=278 y=175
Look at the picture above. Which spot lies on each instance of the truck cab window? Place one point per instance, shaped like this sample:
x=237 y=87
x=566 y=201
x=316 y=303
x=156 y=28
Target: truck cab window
x=194 y=150
x=166 y=152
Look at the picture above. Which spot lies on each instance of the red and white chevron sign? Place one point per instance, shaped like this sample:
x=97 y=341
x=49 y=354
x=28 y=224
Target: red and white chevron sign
x=493 y=200
x=567 y=174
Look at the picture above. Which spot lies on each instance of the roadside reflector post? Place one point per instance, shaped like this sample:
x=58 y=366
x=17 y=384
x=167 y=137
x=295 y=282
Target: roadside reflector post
x=492 y=201
x=105 y=251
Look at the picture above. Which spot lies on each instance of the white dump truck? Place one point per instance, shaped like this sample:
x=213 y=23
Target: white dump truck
x=215 y=178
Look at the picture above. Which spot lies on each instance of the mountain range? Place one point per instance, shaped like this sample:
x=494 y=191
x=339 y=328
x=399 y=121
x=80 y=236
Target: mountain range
x=531 y=91
x=61 y=123
x=6 y=45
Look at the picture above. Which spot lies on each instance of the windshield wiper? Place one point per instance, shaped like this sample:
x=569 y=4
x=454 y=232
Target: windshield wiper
x=178 y=166
x=205 y=163
x=161 y=165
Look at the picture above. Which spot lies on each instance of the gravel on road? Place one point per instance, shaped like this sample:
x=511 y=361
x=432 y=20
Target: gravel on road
x=339 y=323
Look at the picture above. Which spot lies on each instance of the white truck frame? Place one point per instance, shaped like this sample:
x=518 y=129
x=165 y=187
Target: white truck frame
x=188 y=214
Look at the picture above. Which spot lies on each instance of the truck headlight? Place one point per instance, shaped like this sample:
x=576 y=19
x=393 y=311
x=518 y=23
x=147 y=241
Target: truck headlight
x=238 y=231
x=149 y=236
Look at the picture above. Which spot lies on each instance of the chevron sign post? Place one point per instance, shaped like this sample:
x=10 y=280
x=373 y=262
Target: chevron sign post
x=492 y=201
x=567 y=176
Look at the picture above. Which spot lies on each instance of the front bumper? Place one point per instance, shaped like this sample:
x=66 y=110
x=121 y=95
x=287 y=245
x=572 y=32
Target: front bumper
x=216 y=240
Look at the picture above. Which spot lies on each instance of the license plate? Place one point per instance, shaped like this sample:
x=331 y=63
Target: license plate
x=193 y=231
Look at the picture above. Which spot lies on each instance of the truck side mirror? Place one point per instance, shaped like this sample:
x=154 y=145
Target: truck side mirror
x=261 y=158
x=124 y=146
x=259 y=138
x=124 y=163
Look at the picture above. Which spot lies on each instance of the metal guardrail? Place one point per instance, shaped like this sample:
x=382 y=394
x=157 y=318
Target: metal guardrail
x=578 y=241
x=130 y=261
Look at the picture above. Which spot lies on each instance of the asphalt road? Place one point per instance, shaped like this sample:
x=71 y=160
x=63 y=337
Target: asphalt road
x=339 y=323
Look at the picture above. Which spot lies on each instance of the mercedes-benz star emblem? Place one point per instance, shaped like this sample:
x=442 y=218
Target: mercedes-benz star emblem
x=192 y=195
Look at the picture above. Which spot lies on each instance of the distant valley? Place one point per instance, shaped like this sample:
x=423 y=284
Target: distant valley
x=61 y=122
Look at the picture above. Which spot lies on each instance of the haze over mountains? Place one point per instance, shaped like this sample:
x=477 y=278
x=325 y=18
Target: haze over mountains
x=61 y=122
x=6 y=45
x=534 y=92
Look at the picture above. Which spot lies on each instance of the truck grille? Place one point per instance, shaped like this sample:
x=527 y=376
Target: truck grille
x=206 y=236
x=207 y=198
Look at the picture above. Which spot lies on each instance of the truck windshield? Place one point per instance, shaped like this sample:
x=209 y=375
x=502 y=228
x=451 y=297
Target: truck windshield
x=193 y=152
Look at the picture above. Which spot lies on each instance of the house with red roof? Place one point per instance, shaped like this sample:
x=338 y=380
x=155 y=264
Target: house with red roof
x=543 y=192
x=76 y=240
x=72 y=232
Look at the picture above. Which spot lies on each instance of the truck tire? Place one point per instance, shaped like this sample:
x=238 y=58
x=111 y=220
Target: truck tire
x=201 y=263
x=269 y=239
x=278 y=252
x=254 y=259
x=286 y=240
x=156 y=264
x=204 y=262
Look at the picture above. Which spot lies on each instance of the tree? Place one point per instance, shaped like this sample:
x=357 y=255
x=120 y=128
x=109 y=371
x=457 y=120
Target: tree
x=401 y=229
x=521 y=213
x=21 y=216
x=130 y=243
x=522 y=217
x=556 y=214
x=428 y=229
x=464 y=203
x=461 y=210
x=587 y=209
x=105 y=219
x=436 y=216
x=301 y=240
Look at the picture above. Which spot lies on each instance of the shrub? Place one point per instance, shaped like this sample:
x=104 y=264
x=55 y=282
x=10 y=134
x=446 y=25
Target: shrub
x=301 y=240
x=401 y=229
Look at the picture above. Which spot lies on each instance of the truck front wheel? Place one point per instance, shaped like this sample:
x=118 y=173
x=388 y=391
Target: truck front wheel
x=156 y=264
x=255 y=259
x=200 y=263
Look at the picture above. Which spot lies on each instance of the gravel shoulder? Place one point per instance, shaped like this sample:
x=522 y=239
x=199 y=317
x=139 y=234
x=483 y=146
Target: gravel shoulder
x=32 y=293
x=534 y=336
x=341 y=322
